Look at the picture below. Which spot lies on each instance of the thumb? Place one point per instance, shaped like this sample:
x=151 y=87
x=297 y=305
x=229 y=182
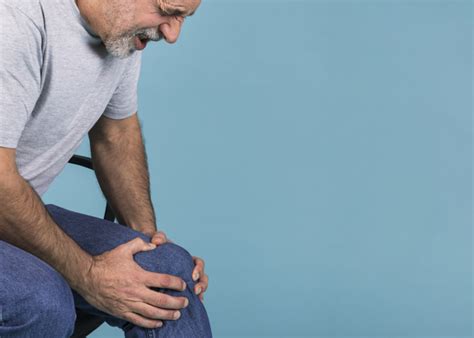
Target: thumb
x=137 y=245
x=159 y=238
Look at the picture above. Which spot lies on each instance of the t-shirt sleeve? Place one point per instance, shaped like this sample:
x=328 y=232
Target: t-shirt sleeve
x=124 y=101
x=20 y=72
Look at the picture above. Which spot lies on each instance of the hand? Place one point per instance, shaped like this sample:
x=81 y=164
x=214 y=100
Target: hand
x=116 y=284
x=199 y=275
x=159 y=238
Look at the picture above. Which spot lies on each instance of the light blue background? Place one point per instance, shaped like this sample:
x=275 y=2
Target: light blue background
x=318 y=156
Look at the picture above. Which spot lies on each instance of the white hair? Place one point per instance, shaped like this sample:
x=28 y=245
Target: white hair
x=124 y=45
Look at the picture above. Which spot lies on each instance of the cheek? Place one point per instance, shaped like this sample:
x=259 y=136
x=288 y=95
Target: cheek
x=151 y=20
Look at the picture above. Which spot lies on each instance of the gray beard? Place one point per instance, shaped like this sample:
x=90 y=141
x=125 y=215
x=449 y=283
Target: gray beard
x=123 y=46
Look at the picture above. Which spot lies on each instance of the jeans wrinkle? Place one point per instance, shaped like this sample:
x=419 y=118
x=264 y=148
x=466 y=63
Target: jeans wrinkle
x=43 y=306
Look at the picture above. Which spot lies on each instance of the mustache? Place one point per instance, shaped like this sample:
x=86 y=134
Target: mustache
x=149 y=34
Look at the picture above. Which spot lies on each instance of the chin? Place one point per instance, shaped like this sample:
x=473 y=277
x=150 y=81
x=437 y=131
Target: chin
x=122 y=54
x=121 y=48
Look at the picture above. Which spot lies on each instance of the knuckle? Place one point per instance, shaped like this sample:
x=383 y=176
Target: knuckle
x=161 y=300
x=172 y=282
x=142 y=322
x=154 y=313
x=170 y=302
x=165 y=280
x=146 y=323
x=137 y=240
x=129 y=318
x=170 y=315
x=176 y=283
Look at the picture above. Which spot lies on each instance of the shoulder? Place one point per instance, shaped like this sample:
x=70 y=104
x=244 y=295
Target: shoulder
x=29 y=12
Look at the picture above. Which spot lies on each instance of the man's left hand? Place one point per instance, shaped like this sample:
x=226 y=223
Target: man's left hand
x=201 y=279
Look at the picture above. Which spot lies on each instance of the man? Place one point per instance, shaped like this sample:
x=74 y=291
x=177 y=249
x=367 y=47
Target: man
x=70 y=68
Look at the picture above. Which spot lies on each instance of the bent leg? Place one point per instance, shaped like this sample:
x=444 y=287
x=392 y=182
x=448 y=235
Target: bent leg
x=35 y=300
x=96 y=236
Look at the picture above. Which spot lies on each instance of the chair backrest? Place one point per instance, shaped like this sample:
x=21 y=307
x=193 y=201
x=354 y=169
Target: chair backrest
x=85 y=322
x=86 y=162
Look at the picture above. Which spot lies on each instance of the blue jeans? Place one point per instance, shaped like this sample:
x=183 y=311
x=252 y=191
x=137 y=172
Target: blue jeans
x=36 y=301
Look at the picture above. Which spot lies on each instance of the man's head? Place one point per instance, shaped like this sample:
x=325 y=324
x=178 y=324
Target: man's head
x=127 y=25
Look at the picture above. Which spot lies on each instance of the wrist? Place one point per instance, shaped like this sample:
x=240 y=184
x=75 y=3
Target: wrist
x=81 y=280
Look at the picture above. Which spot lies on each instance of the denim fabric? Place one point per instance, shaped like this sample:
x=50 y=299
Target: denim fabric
x=35 y=301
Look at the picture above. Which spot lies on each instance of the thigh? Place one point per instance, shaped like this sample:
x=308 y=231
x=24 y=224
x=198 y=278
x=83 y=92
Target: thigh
x=34 y=298
x=94 y=235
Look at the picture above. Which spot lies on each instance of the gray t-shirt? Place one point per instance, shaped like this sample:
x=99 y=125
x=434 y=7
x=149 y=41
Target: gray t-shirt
x=56 y=80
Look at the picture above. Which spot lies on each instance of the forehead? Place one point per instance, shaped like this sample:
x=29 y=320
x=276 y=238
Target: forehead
x=185 y=7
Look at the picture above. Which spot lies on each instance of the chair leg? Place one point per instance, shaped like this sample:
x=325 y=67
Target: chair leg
x=85 y=324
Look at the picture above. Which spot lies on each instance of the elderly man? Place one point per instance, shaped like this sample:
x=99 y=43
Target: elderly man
x=70 y=68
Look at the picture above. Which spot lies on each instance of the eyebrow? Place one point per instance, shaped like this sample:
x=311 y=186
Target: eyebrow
x=175 y=12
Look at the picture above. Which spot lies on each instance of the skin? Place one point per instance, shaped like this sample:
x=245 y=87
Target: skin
x=127 y=186
x=115 y=18
x=155 y=19
x=110 y=20
x=198 y=273
x=112 y=282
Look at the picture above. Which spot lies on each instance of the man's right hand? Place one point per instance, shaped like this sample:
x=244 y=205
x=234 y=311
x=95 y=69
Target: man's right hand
x=117 y=285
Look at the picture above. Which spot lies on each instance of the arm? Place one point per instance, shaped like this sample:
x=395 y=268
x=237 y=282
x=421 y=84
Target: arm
x=112 y=282
x=25 y=223
x=120 y=163
x=119 y=159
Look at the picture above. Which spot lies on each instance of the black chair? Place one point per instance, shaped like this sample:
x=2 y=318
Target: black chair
x=87 y=323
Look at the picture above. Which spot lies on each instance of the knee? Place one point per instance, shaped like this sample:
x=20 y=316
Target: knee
x=168 y=258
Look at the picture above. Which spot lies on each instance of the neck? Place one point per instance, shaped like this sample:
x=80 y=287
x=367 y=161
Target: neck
x=91 y=11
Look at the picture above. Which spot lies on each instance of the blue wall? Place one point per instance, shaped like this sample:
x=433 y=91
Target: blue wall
x=318 y=155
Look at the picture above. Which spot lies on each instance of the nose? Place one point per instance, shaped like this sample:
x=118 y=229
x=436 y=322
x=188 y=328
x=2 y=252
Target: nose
x=171 y=29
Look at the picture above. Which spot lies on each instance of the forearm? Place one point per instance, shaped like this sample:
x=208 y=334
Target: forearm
x=25 y=223
x=121 y=168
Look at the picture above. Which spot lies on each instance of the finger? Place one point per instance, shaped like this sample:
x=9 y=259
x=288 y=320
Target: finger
x=158 y=239
x=201 y=287
x=153 y=312
x=163 y=300
x=198 y=269
x=199 y=261
x=142 y=321
x=136 y=245
x=205 y=281
x=196 y=273
x=201 y=297
x=161 y=234
x=162 y=280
